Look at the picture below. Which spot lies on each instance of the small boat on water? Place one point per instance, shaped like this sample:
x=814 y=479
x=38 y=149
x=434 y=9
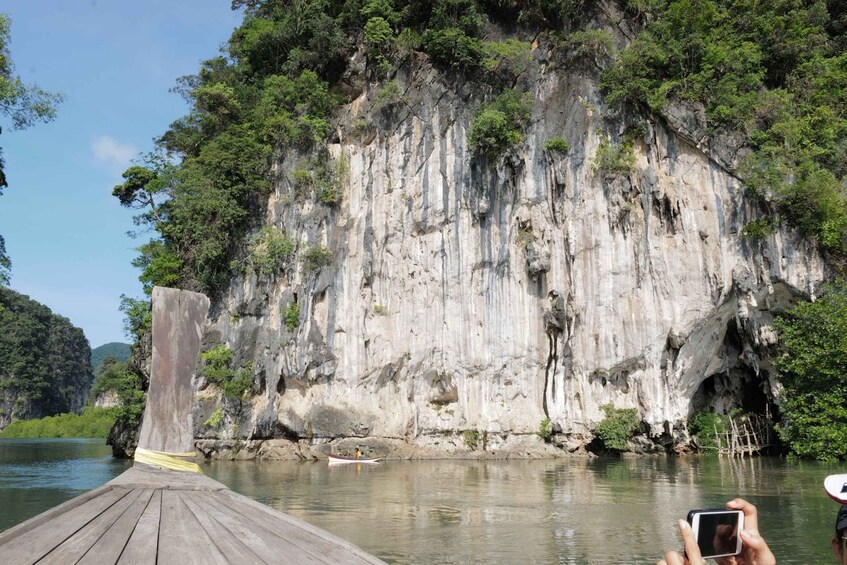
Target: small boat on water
x=335 y=459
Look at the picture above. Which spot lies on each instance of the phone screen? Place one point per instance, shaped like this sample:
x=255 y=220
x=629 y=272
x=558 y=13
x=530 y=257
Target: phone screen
x=717 y=532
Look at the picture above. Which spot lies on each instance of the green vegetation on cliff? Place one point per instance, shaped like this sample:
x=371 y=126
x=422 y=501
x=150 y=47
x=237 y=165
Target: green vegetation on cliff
x=218 y=369
x=500 y=124
x=774 y=73
x=274 y=88
x=619 y=425
x=45 y=366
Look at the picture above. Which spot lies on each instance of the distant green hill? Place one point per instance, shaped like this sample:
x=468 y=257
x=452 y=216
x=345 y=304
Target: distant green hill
x=114 y=349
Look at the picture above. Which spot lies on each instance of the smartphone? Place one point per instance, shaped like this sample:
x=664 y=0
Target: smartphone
x=716 y=531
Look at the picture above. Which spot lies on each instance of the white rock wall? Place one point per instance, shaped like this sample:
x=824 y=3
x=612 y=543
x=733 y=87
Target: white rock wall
x=429 y=321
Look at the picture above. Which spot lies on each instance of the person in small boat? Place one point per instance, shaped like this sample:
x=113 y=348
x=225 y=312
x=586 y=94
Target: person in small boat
x=359 y=454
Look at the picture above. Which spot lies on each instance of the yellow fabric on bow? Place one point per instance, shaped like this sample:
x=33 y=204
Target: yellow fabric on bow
x=165 y=460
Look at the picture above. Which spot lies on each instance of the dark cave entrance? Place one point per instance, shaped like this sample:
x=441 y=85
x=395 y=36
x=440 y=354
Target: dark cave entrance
x=742 y=387
x=726 y=392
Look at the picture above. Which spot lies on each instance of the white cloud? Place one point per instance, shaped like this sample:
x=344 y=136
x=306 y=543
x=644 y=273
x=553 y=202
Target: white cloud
x=113 y=154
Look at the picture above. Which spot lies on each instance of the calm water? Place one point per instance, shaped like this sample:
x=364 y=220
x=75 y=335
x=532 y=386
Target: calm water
x=570 y=511
x=37 y=474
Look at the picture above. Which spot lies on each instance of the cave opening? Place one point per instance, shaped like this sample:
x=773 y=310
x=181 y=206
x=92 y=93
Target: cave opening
x=724 y=393
x=741 y=389
x=743 y=383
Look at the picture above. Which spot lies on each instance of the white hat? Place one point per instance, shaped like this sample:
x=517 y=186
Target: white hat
x=836 y=487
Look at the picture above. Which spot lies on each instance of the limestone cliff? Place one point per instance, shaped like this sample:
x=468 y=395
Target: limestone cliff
x=45 y=364
x=427 y=321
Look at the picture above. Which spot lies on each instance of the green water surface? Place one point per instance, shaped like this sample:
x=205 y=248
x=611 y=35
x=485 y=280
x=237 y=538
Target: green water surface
x=37 y=474
x=580 y=511
x=575 y=510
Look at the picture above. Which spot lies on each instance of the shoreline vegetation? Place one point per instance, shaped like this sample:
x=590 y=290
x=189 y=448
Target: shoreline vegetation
x=92 y=423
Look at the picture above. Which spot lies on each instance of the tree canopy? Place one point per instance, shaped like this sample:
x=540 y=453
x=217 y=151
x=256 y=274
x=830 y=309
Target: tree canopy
x=114 y=349
x=774 y=72
x=813 y=370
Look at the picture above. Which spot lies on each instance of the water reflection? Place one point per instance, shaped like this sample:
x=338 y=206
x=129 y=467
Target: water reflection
x=37 y=474
x=571 y=511
x=566 y=511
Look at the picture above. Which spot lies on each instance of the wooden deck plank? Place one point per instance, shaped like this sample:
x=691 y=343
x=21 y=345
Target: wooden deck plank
x=274 y=535
x=236 y=544
x=151 y=477
x=182 y=540
x=268 y=543
x=109 y=547
x=143 y=544
x=76 y=546
x=35 y=543
x=46 y=516
x=312 y=540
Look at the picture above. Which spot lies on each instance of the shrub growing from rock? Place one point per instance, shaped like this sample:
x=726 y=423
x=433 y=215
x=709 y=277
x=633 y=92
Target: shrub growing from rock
x=619 y=425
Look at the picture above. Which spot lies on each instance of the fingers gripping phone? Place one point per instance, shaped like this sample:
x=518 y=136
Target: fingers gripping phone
x=716 y=531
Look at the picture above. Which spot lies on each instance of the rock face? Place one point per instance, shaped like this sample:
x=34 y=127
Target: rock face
x=107 y=399
x=427 y=322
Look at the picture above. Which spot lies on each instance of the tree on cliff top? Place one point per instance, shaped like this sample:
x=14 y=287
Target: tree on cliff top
x=774 y=74
x=813 y=367
x=23 y=105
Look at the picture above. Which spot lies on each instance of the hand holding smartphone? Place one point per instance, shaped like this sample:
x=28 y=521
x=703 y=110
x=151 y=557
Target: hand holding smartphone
x=716 y=531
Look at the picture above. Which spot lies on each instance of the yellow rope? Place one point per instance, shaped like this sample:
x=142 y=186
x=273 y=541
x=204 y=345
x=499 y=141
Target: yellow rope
x=165 y=460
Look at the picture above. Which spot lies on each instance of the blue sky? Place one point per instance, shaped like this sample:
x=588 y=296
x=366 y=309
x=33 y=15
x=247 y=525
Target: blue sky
x=115 y=62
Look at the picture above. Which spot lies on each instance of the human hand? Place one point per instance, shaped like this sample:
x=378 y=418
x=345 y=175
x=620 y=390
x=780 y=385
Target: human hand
x=754 y=550
x=692 y=550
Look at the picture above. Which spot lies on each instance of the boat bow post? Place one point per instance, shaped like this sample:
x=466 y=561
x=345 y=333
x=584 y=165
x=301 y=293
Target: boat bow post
x=167 y=429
